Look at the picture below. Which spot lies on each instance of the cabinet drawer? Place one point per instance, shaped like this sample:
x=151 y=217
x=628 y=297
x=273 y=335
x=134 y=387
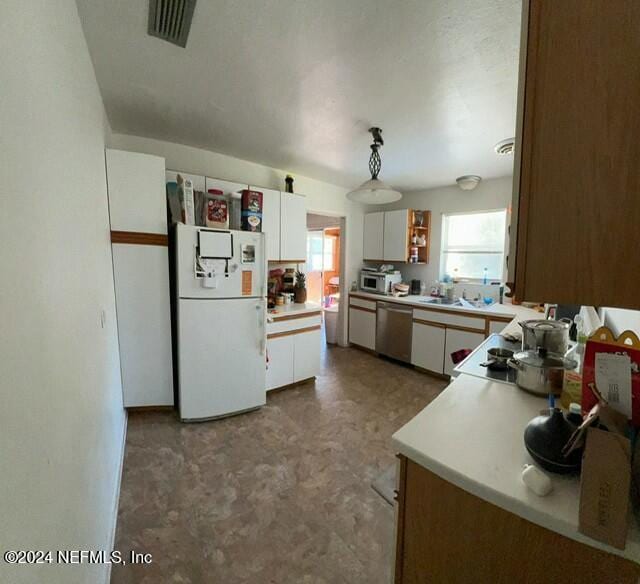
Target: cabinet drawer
x=368 y=304
x=449 y=319
x=293 y=324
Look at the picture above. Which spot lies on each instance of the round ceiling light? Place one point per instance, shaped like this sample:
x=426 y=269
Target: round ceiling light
x=468 y=182
x=374 y=191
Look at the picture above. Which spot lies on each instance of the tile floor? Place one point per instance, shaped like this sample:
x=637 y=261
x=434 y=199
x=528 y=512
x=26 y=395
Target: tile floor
x=278 y=496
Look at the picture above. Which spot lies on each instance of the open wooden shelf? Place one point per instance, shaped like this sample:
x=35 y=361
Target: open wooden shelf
x=423 y=230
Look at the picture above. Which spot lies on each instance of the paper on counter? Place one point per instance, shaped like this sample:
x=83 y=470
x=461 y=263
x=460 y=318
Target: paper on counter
x=613 y=380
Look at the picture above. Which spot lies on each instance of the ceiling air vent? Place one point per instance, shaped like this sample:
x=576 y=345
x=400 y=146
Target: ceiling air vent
x=505 y=147
x=170 y=20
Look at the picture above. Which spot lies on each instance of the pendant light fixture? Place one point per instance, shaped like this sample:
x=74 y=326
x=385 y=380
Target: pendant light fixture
x=374 y=191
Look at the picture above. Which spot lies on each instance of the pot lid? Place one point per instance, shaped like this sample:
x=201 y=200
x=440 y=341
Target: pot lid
x=540 y=357
x=545 y=325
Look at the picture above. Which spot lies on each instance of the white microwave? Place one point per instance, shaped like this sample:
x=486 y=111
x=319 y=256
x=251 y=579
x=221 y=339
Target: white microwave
x=378 y=282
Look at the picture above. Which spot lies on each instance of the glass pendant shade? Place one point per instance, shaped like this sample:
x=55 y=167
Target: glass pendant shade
x=374 y=192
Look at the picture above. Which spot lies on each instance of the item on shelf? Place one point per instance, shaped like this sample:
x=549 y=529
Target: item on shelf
x=288 y=184
x=185 y=196
x=300 y=288
x=414 y=239
x=251 y=210
x=418 y=218
x=280 y=300
x=288 y=279
x=216 y=209
x=413 y=255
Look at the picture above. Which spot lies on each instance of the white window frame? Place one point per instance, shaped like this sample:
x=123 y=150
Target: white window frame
x=505 y=246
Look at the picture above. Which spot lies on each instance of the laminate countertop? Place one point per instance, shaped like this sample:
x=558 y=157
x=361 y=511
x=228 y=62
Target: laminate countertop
x=472 y=436
x=497 y=311
x=293 y=309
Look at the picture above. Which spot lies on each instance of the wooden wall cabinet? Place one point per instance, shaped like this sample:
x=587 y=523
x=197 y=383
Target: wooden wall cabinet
x=577 y=167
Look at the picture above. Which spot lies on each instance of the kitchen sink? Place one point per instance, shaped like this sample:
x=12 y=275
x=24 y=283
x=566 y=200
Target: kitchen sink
x=443 y=301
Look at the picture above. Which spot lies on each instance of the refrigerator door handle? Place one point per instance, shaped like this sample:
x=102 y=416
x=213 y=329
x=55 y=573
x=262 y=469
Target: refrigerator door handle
x=263 y=336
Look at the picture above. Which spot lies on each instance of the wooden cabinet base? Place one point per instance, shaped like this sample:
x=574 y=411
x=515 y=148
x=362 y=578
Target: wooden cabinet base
x=445 y=534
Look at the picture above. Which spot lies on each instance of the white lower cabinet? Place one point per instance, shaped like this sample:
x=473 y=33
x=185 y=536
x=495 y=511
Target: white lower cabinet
x=306 y=354
x=293 y=346
x=362 y=328
x=496 y=326
x=457 y=340
x=427 y=348
x=280 y=370
x=141 y=274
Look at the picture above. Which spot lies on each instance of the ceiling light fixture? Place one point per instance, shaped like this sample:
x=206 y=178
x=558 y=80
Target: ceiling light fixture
x=468 y=182
x=374 y=191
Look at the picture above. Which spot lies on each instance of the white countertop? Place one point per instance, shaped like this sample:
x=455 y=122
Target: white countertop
x=293 y=308
x=497 y=310
x=472 y=436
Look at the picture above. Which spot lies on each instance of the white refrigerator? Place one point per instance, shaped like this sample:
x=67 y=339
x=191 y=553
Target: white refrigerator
x=221 y=313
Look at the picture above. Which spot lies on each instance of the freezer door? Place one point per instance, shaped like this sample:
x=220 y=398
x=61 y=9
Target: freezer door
x=244 y=275
x=221 y=357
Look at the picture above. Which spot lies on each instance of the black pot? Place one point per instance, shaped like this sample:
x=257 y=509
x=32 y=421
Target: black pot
x=545 y=437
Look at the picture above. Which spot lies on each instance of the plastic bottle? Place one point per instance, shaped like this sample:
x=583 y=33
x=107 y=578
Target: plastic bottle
x=575 y=414
x=572 y=382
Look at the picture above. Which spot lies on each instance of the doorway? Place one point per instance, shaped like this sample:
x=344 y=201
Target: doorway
x=323 y=265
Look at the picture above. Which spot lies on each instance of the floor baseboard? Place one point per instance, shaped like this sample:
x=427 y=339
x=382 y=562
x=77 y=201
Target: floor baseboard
x=116 y=503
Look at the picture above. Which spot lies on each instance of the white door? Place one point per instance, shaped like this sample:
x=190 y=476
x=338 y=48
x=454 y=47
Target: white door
x=427 y=347
x=293 y=228
x=396 y=233
x=137 y=199
x=221 y=348
x=373 y=248
x=141 y=274
x=457 y=340
x=362 y=328
x=280 y=368
x=271 y=221
x=306 y=354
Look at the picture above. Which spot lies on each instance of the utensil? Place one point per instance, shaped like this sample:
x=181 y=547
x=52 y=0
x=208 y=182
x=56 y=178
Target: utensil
x=540 y=371
x=552 y=335
x=498 y=358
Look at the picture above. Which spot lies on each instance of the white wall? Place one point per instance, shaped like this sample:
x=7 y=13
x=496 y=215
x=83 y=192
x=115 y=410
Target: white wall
x=61 y=415
x=489 y=194
x=321 y=197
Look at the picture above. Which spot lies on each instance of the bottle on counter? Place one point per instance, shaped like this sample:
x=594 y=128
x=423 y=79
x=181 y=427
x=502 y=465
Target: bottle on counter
x=575 y=414
x=572 y=382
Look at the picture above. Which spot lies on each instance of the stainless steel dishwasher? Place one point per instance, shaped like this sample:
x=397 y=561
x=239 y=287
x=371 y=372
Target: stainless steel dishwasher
x=394 y=327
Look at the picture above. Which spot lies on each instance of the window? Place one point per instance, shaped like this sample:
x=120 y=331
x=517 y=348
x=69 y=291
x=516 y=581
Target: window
x=319 y=252
x=473 y=242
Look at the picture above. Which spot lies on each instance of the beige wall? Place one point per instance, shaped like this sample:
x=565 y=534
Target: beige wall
x=489 y=194
x=321 y=197
x=61 y=417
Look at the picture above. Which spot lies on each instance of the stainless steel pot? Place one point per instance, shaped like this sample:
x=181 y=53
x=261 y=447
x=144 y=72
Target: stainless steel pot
x=540 y=371
x=552 y=335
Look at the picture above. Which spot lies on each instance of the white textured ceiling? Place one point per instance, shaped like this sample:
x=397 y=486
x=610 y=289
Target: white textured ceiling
x=294 y=84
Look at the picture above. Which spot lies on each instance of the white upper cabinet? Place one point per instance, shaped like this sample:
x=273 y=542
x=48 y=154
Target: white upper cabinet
x=293 y=228
x=137 y=199
x=396 y=230
x=271 y=221
x=373 y=236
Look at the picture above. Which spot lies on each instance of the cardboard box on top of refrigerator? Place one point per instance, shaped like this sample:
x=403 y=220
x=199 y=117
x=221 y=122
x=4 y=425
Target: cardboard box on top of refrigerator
x=251 y=210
